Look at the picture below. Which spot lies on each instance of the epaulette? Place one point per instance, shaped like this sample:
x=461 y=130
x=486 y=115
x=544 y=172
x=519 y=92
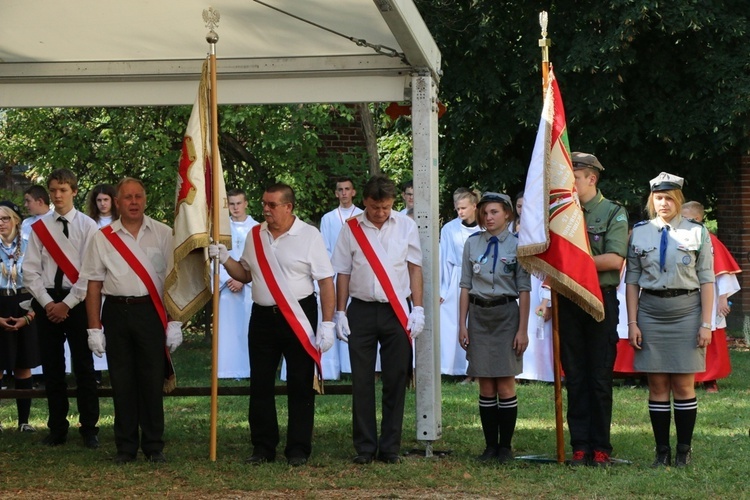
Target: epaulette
x=643 y=222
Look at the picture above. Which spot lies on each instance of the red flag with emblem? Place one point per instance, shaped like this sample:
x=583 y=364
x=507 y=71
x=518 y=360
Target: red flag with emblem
x=188 y=284
x=553 y=241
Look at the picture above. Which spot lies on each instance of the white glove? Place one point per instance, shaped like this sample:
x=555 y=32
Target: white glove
x=342 y=326
x=96 y=341
x=219 y=251
x=324 y=335
x=174 y=334
x=416 y=321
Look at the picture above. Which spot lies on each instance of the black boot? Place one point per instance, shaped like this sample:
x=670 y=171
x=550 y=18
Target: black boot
x=663 y=456
x=682 y=457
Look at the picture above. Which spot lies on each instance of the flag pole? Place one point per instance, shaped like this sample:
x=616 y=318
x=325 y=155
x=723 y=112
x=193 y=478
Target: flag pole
x=544 y=44
x=211 y=16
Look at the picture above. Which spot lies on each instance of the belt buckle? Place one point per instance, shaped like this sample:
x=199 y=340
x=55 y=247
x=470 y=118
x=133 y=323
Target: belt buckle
x=275 y=309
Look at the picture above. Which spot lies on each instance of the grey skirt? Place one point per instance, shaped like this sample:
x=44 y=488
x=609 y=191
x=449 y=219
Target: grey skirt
x=491 y=333
x=669 y=330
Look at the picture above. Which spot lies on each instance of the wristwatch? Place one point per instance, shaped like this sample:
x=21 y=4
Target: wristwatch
x=706 y=325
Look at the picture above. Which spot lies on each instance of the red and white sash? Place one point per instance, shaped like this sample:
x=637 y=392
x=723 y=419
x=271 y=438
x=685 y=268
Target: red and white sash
x=381 y=265
x=138 y=261
x=282 y=295
x=60 y=248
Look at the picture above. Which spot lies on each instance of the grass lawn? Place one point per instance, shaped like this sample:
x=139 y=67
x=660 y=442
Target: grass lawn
x=720 y=466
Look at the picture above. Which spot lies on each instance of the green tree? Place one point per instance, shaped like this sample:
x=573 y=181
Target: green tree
x=648 y=87
x=259 y=145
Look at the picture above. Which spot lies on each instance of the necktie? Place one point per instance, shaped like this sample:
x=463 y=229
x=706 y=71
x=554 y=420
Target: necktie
x=663 y=248
x=59 y=273
x=493 y=241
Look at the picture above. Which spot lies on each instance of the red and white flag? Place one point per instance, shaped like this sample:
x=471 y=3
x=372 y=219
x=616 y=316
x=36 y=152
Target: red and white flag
x=553 y=241
x=188 y=284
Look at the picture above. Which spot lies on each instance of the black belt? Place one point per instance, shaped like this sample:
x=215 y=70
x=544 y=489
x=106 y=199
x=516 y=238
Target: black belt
x=669 y=293
x=275 y=308
x=477 y=301
x=121 y=299
x=9 y=292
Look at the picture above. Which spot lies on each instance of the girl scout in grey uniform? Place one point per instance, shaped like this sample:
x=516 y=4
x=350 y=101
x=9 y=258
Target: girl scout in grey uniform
x=670 y=275
x=491 y=281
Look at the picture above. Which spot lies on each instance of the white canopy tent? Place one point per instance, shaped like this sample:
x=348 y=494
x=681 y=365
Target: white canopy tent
x=81 y=53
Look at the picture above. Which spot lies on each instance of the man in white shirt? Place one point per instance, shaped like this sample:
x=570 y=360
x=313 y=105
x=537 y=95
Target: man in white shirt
x=282 y=257
x=336 y=360
x=53 y=259
x=127 y=263
x=235 y=297
x=407 y=193
x=378 y=261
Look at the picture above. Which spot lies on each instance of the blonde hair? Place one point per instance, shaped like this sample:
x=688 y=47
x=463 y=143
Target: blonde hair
x=464 y=193
x=15 y=232
x=695 y=208
x=675 y=194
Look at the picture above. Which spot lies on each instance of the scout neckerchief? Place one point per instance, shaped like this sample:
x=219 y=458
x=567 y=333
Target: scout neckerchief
x=377 y=257
x=59 y=252
x=128 y=250
x=285 y=301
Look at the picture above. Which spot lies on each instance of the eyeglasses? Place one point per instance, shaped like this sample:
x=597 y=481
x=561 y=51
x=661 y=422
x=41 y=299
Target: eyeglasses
x=5 y=219
x=272 y=205
x=407 y=193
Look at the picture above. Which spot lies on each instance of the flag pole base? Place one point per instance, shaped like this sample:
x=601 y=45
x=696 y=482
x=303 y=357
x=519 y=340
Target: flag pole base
x=546 y=459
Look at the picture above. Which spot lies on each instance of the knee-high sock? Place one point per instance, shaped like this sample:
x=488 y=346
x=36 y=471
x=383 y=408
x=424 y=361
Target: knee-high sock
x=507 y=413
x=685 y=413
x=488 y=416
x=24 y=405
x=661 y=418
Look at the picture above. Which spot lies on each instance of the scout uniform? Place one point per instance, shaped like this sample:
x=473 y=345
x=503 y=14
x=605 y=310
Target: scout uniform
x=587 y=347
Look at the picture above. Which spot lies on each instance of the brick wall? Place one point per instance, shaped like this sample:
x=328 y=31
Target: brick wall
x=733 y=217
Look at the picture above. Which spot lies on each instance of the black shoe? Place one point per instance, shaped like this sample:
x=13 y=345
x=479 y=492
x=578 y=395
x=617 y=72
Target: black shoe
x=255 y=459
x=580 y=458
x=156 y=457
x=296 y=461
x=682 y=457
x=389 y=458
x=489 y=453
x=504 y=455
x=54 y=440
x=123 y=458
x=363 y=459
x=91 y=441
x=663 y=456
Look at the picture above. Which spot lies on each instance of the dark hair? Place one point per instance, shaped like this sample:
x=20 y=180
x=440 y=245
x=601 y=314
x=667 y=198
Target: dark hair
x=408 y=184
x=93 y=209
x=345 y=179
x=63 y=176
x=37 y=193
x=287 y=193
x=237 y=192
x=379 y=188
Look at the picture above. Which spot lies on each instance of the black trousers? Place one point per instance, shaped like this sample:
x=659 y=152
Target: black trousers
x=52 y=338
x=587 y=351
x=373 y=322
x=270 y=337
x=135 y=358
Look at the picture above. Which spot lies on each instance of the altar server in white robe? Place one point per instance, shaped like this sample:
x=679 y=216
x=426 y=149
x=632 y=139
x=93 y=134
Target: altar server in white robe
x=538 y=359
x=235 y=299
x=452 y=239
x=336 y=360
